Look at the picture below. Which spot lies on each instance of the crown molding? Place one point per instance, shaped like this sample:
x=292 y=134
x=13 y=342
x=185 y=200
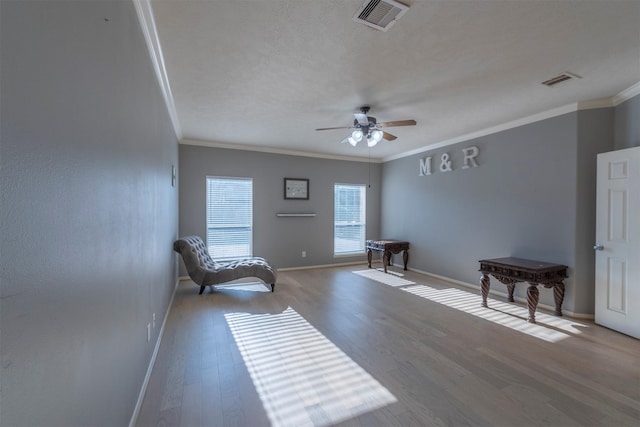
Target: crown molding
x=626 y=94
x=148 y=26
x=555 y=112
x=595 y=103
x=577 y=106
x=272 y=150
x=488 y=131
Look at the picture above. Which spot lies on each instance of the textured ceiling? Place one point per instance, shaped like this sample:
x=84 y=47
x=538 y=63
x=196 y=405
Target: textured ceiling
x=267 y=73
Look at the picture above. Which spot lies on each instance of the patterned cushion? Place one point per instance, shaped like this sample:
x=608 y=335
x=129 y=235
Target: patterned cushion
x=206 y=272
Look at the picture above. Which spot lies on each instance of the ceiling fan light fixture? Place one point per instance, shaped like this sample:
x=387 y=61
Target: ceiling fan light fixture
x=374 y=138
x=368 y=126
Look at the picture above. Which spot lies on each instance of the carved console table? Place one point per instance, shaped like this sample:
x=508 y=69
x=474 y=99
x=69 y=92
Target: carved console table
x=513 y=270
x=387 y=247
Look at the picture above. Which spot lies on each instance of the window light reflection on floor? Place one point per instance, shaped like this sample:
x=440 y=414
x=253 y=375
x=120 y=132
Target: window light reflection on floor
x=301 y=377
x=245 y=286
x=549 y=328
x=391 y=278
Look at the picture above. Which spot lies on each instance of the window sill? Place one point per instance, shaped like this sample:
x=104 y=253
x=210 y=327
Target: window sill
x=350 y=254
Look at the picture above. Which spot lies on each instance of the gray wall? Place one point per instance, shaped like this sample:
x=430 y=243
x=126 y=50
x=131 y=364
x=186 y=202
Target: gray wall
x=595 y=135
x=627 y=124
x=280 y=240
x=525 y=199
x=88 y=213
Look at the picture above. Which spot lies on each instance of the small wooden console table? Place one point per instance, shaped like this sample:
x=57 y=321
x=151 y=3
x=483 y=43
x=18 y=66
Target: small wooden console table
x=513 y=270
x=387 y=247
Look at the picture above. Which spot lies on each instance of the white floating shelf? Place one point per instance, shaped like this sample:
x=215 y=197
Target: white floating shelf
x=296 y=214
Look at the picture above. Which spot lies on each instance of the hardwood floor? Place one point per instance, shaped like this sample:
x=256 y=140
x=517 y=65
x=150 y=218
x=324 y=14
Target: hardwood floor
x=445 y=360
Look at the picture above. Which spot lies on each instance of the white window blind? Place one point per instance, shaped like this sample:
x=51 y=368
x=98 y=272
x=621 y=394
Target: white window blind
x=229 y=218
x=349 y=219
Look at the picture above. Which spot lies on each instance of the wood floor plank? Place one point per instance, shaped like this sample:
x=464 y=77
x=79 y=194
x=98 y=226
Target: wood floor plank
x=190 y=415
x=444 y=363
x=211 y=407
x=579 y=403
x=168 y=418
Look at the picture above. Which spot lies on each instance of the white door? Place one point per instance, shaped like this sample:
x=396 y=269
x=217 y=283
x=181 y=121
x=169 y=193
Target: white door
x=618 y=241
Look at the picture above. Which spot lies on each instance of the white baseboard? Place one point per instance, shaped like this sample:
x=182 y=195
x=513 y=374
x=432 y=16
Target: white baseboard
x=145 y=383
x=504 y=295
x=309 y=267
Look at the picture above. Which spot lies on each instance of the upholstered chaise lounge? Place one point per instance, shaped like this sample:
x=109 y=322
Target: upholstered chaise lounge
x=204 y=271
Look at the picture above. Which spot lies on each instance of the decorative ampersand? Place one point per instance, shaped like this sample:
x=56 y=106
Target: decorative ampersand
x=445 y=163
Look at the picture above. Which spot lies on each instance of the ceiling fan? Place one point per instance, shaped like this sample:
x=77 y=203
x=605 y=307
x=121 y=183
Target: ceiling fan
x=367 y=127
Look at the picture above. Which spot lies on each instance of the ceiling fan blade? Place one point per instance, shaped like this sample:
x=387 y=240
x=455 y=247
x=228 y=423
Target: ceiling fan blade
x=339 y=127
x=388 y=136
x=362 y=119
x=397 y=123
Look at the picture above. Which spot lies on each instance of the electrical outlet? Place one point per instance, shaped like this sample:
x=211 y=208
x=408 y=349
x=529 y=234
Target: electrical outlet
x=148 y=332
x=153 y=318
x=304 y=254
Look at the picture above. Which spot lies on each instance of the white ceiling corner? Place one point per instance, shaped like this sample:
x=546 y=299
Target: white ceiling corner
x=146 y=18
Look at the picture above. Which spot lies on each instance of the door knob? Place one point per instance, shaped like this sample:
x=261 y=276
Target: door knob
x=598 y=247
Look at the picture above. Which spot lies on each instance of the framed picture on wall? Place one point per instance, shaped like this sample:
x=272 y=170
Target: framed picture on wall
x=296 y=189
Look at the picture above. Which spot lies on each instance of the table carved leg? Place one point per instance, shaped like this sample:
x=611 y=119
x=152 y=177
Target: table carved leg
x=510 y=284
x=485 y=283
x=405 y=258
x=510 y=288
x=558 y=296
x=533 y=295
x=386 y=257
x=369 y=256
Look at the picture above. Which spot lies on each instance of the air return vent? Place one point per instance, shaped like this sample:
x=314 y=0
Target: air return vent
x=380 y=14
x=560 y=78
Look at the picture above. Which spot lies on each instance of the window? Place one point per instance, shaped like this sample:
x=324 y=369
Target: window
x=229 y=217
x=349 y=219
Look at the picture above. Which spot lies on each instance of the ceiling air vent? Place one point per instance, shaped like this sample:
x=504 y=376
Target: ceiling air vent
x=560 y=78
x=380 y=14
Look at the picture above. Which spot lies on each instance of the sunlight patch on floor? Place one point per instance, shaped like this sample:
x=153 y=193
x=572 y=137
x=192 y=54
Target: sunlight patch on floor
x=302 y=378
x=392 y=278
x=246 y=286
x=549 y=328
